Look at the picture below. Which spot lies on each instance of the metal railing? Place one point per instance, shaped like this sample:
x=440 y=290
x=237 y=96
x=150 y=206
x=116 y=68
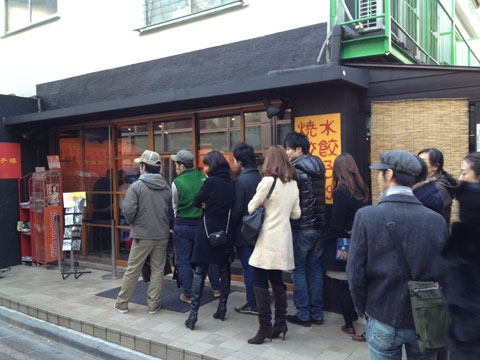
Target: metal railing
x=411 y=31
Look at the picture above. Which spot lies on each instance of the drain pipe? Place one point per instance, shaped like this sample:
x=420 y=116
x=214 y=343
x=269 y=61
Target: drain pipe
x=39 y=102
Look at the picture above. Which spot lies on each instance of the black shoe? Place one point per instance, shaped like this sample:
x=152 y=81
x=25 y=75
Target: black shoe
x=224 y=292
x=190 y=322
x=280 y=327
x=295 y=320
x=261 y=336
x=245 y=309
x=317 y=322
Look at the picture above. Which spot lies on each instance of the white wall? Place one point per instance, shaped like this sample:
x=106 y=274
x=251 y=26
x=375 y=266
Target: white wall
x=93 y=35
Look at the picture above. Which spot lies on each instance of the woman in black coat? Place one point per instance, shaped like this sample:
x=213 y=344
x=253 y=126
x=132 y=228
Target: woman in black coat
x=215 y=196
x=350 y=194
x=462 y=273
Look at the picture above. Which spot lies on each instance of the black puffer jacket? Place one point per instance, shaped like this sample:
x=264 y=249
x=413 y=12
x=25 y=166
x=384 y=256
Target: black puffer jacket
x=311 y=183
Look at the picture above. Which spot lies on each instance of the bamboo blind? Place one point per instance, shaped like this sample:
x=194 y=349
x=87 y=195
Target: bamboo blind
x=413 y=125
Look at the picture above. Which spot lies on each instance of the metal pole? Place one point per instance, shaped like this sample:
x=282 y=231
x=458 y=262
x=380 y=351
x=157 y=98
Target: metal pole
x=113 y=275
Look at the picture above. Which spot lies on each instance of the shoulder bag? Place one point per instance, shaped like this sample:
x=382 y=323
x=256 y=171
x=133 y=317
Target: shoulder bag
x=217 y=238
x=252 y=224
x=428 y=306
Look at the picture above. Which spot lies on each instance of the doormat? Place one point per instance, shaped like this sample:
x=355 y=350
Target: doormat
x=169 y=298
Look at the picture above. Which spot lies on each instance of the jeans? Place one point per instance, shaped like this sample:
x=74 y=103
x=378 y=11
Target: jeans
x=385 y=342
x=244 y=254
x=183 y=238
x=308 y=275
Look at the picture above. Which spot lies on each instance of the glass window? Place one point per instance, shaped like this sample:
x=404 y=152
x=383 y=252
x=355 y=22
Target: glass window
x=214 y=123
x=70 y=158
x=214 y=141
x=21 y=13
x=158 y=11
x=282 y=131
x=132 y=139
x=253 y=136
x=253 y=117
x=172 y=136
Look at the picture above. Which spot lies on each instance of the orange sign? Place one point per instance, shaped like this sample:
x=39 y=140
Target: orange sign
x=10 y=161
x=324 y=133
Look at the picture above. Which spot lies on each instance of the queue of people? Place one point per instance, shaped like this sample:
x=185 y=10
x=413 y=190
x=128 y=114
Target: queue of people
x=354 y=252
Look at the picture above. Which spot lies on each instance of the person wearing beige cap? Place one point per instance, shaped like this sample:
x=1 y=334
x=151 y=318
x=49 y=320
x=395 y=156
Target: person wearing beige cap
x=148 y=209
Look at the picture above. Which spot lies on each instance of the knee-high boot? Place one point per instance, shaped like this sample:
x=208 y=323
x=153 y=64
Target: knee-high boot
x=197 y=290
x=265 y=331
x=280 y=298
x=225 y=279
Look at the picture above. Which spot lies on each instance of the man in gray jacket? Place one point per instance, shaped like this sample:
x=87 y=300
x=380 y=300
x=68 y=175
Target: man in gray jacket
x=377 y=279
x=148 y=209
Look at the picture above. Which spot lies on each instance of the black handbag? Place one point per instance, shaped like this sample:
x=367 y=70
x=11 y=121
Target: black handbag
x=218 y=238
x=252 y=224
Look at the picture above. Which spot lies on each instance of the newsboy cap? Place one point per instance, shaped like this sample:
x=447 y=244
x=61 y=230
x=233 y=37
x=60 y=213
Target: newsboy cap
x=150 y=158
x=399 y=160
x=183 y=156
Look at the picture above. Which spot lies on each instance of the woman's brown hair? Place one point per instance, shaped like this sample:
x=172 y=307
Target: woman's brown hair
x=277 y=164
x=345 y=172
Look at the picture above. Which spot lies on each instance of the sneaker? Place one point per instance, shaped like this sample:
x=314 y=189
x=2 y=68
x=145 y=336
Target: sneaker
x=317 y=322
x=121 y=308
x=295 y=320
x=185 y=298
x=216 y=293
x=245 y=309
x=152 y=310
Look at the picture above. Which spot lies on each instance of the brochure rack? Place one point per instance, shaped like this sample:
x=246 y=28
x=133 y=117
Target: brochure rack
x=24 y=225
x=72 y=236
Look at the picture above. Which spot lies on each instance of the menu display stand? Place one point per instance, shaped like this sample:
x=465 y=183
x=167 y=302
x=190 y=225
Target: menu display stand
x=74 y=204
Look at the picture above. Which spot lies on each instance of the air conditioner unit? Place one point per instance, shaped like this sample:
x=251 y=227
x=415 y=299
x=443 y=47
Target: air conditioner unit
x=369 y=8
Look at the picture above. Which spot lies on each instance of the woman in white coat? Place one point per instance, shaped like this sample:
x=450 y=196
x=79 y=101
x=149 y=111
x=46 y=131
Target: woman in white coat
x=274 y=248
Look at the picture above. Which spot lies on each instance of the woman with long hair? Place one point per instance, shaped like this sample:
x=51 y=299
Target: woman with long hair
x=215 y=197
x=462 y=254
x=443 y=180
x=273 y=250
x=349 y=194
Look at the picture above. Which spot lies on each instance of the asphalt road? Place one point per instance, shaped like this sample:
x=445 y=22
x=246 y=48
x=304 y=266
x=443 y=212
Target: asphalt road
x=16 y=344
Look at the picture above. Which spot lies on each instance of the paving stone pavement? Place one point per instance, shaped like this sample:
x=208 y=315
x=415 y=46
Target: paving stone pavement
x=43 y=294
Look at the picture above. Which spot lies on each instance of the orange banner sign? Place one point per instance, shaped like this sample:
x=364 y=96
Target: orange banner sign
x=324 y=133
x=10 y=161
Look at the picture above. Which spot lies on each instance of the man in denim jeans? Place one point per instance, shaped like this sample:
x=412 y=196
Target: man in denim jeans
x=307 y=232
x=187 y=220
x=377 y=278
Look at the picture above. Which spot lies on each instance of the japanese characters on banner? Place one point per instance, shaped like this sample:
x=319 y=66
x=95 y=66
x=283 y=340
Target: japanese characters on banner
x=10 y=161
x=324 y=133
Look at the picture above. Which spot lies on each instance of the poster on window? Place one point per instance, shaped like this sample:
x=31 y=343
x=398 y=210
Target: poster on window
x=324 y=133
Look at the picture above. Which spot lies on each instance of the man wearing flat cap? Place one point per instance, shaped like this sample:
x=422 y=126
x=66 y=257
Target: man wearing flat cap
x=187 y=219
x=376 y=274
x=148 y=209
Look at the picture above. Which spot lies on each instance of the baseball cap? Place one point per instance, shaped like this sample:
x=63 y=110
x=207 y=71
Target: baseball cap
x=399 y=160
x=150 y=158
x=183 y=156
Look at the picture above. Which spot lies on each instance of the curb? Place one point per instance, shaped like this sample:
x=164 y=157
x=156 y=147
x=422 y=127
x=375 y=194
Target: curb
x=87 y=344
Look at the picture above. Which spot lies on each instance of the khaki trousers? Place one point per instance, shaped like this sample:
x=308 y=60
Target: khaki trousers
x=157 y=249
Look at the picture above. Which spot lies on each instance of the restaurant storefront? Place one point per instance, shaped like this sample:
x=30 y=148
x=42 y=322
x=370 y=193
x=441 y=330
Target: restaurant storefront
x=99 y=159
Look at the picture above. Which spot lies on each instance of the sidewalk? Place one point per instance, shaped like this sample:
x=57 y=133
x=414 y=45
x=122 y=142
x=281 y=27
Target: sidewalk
x=71 y=303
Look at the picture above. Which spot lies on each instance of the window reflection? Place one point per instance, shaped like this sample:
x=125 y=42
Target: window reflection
x=132 y=139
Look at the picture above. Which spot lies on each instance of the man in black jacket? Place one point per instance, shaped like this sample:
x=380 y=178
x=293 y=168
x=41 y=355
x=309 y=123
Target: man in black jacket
x=307 y=231
x=378 y=281
x=245 y=188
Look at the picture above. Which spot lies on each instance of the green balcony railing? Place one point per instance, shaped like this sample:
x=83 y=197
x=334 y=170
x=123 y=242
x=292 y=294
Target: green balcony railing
x=409 y=31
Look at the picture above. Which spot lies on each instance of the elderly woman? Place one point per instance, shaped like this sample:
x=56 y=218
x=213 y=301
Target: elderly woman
x=462 y=254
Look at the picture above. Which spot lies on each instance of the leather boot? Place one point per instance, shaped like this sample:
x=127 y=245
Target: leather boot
x=197 y=290
x=265 y=331
x=224 y=291
x=280 y=298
